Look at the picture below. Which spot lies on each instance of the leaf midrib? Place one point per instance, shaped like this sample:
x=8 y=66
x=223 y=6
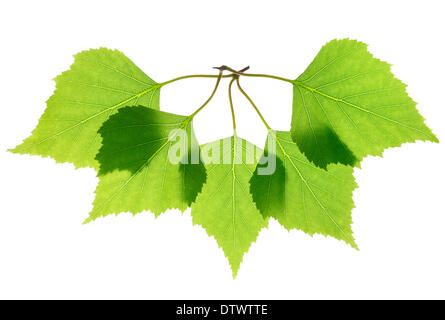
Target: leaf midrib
x=157 y=86
x=313 y=90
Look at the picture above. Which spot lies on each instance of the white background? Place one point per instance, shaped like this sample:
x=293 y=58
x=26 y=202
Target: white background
x=399 y=219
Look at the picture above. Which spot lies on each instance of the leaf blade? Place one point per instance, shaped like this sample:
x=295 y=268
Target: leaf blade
x=348 y=104
x=99 y=82
x=225 y=208
x=136 y=173
x=304 y=196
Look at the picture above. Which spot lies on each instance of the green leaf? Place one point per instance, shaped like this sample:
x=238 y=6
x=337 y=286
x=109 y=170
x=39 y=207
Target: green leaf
x=99 y=82
x=348 y=104
x=302 y=196
x=136 y=168
x=225 y=207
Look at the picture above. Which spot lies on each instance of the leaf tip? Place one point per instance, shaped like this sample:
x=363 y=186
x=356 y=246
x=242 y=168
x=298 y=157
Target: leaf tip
x=351 y=242
x=434 y=138
x=87 y=220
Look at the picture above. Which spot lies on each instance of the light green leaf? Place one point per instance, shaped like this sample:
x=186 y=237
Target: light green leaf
x=99 y=82
x=348 y=104
x=302 y=196
x=136 y=168
x=225 y=207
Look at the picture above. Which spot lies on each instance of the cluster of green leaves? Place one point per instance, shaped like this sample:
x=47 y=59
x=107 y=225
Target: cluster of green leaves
x=105 y=114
